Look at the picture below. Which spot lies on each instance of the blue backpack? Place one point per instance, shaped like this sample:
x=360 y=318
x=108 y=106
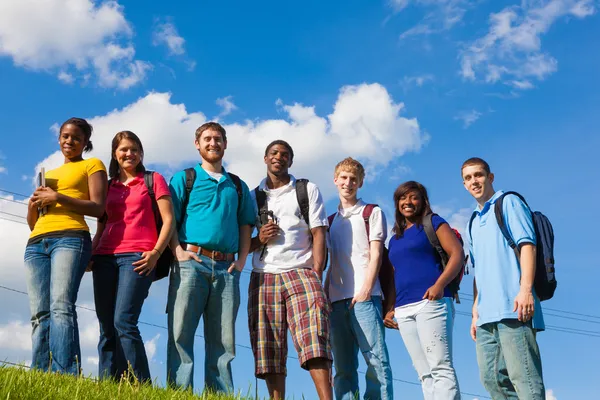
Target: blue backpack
x=545 y=279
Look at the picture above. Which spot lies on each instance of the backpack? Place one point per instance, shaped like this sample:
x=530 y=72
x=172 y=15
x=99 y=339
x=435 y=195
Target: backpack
x=454 y=285
x=386 y=271
x=163 y=265
x=190 y=178
x=301 y=197
x=545 y=280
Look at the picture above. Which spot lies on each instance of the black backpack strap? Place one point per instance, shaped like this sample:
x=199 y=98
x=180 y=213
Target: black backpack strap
x=149 y=181
x=302 y=196
x=498 y=210
x=330 y=220
x=238 y=187
x=190 y=178
x=433 y=238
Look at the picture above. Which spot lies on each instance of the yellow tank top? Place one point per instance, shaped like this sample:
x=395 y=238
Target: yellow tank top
x=70 y=179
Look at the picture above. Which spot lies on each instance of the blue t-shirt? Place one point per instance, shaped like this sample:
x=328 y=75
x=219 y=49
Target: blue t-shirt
x=417 y=266
x=497 y=269
x=212 y=218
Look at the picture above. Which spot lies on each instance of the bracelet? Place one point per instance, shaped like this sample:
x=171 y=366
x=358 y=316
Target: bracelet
x=158 y=251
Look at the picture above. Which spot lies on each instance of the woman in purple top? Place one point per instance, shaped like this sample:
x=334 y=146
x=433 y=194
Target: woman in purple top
x=424 y=308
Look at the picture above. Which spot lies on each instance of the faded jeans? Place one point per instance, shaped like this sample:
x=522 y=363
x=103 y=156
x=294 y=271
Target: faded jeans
x=360 y=328
x=199 y=289
x=119 y=293
x=426 y=329
x=509 y=360
x=54 y=268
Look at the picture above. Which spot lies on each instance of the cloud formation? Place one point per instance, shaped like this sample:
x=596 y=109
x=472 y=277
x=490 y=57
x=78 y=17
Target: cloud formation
x=512 y=49
x=72 y=39
x=165 y=33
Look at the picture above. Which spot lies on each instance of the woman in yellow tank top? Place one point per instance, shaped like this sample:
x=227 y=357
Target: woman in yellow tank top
x=59 y=248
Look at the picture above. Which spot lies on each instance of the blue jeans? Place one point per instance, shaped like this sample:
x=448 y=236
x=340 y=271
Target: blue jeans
x=360 y=328
x=54 y=268
x=197 y=289
x=510 y=365
x=426 y=329
x=119 y=293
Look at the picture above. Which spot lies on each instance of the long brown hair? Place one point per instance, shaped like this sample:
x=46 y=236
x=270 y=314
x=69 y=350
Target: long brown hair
x=114 y=170
x=403 y=189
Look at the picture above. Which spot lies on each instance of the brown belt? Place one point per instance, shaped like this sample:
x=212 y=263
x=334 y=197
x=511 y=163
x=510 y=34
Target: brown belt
x=215 y=255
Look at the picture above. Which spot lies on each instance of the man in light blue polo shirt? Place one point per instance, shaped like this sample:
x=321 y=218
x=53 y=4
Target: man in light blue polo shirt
x=506 y=310
x=213 y=223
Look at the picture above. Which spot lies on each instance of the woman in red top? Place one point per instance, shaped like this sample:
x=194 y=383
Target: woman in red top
x=126 y=248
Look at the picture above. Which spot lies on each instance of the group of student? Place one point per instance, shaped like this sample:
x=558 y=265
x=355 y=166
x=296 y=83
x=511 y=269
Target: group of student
x=207 y=215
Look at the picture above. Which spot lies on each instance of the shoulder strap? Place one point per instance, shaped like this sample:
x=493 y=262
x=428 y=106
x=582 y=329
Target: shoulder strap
x=190 y=178
x=149 y=181
x=366 y=214
x=261 y=200
x=330 y=219
x=238 y=187
x=432 y=237
x=302 y=196
x=498 y=210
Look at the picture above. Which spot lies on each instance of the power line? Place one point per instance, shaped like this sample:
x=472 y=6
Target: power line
x=237 y=344
x=25 y=218
x=544 y=308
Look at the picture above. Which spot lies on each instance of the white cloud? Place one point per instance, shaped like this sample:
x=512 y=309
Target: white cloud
x=65 y=77
x=93 y=360
x=366 y=123
x=73 y=38
x=2 y=170
x=512 y=48
x=227 y=105
x=15 y=335
x=550 y=395
x=468 y=117
x=417 y=80
x=165 y=33
x=150 y=346
x=441 y=15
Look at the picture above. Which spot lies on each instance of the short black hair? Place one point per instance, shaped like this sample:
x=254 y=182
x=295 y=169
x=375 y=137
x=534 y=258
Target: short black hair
x=283 y=143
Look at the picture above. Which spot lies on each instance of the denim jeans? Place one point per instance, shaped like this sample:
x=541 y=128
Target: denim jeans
x=119 y=293
x=360 y=328
x=197 y=289
x=510 y=365
x=54 y=268
x=426 y=329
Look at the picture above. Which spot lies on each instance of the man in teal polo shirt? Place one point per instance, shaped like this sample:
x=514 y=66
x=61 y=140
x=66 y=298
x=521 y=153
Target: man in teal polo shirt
x=213 y=224
x=506 y=311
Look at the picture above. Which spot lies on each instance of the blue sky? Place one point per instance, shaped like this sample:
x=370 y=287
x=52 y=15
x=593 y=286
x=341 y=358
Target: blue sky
x=410 y=87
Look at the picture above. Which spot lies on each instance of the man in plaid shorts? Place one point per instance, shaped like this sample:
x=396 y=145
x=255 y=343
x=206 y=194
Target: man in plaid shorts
x=285 y=287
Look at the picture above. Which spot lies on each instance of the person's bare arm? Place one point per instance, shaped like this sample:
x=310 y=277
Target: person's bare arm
x=375 y=251
x=147 y=263
x=32 y=213
x=474 y=313
x=524 y=303
x=456 y=257
x=319 y=247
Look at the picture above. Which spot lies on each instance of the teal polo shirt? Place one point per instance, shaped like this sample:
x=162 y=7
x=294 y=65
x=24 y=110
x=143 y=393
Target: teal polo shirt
x=497 y=269
x=212 y=218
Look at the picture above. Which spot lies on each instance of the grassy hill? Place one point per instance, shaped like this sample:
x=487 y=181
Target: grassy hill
x=18 y=383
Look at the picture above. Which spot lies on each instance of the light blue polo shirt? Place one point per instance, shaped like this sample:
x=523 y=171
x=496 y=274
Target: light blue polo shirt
x=497 y=270
x=212 y=218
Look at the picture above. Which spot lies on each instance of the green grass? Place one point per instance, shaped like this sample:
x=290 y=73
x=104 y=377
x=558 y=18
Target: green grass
x=19 y=383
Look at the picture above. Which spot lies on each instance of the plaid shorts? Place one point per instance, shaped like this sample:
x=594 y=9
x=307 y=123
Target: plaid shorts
x=276 y=301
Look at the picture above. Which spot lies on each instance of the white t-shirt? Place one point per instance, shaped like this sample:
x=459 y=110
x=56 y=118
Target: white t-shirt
x=349 y=250
x=215 y=175
x=292 y=249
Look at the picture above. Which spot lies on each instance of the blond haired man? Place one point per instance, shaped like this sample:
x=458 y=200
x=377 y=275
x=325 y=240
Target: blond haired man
x=356 y=238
